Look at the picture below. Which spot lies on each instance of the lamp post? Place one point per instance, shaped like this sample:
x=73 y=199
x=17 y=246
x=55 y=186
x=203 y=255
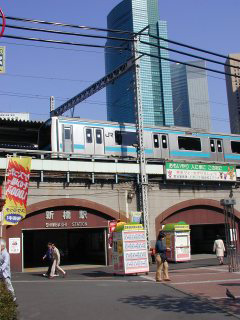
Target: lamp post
x=231 y=234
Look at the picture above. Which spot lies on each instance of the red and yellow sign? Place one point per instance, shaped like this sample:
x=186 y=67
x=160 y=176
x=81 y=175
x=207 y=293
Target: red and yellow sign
x=18 y=174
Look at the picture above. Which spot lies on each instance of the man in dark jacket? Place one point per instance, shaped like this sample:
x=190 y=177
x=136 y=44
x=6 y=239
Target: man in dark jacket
x=161 y=258
x=49 y=256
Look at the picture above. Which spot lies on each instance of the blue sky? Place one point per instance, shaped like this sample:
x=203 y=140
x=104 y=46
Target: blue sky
x=34 y=72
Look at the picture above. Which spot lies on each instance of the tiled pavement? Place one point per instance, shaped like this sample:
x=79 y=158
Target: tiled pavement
x=207 y=283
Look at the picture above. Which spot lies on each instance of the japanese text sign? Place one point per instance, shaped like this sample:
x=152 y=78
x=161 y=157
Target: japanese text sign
x=18 y=174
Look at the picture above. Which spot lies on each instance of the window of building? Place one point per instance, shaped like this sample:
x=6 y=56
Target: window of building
x=189 y=143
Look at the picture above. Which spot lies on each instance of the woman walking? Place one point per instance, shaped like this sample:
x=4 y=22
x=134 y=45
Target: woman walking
x=219 y=248
x=161 y=258
x=56 y=262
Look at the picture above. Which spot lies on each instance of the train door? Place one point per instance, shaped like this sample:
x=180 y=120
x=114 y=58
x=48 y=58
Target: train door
x=216 y=148
x=67 y=139
x=94 y=143
x=161 y=145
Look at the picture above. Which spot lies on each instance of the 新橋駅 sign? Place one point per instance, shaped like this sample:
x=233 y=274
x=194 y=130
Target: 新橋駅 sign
x=195 y=171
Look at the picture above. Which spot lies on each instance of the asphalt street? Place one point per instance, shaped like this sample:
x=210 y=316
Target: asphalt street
x=97 y=294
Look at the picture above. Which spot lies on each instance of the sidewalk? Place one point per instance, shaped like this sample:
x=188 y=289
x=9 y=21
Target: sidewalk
x=207 y=283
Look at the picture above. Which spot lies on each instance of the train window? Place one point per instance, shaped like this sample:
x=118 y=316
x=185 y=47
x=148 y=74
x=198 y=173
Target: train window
x=156 y=141
x=164 y=142
x=187 y=143
x=99 y=136
x=219 y=145
x=125 y=138
x=212 y=145
x=67 y=133
x=89 y=135
x=235 y=145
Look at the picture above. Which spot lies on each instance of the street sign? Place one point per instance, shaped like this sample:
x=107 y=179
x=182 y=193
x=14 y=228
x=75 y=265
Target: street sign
x=2 y=59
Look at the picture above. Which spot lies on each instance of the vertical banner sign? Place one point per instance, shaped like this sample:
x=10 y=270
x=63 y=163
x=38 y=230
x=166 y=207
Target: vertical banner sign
x=18 y=174
x=2 y=59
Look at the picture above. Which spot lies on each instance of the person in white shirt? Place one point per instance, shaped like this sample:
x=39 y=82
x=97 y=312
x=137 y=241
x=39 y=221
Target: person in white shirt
x=5 y=273
x=219 y=248
x=56 y=262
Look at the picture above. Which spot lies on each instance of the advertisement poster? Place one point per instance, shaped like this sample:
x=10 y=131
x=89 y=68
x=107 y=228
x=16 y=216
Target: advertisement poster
x=14 y=245
x=194 y=171
x=135 y=251
x=18 y=175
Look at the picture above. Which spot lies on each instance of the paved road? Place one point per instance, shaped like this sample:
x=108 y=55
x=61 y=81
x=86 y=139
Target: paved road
x=96 y=294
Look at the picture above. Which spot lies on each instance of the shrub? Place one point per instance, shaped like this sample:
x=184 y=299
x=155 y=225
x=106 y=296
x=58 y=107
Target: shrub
x=8 y=308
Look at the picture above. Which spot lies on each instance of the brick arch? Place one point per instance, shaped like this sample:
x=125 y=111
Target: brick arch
x=213 y=207
x=74 y=202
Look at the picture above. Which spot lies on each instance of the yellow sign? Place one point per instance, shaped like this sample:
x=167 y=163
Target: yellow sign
x=181 y=227
x=18 y=175
x=2 y=59
x=136 y=226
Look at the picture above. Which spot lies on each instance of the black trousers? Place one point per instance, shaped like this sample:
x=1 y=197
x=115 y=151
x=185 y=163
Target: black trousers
x=50 y=263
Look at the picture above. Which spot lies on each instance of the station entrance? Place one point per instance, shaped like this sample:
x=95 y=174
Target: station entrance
x=76 y=246
x=202 y=237
x=205 y=218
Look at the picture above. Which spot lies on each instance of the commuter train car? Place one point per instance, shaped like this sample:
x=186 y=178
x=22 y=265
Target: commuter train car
x=103 y=138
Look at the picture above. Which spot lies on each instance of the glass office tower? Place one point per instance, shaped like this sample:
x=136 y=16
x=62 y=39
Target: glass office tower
x=134 y=15
x=190 y=95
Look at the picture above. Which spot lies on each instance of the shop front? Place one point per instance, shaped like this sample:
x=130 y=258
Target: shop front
x=79 y=228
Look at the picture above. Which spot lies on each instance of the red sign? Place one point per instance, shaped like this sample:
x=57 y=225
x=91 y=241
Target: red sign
x=112 y=225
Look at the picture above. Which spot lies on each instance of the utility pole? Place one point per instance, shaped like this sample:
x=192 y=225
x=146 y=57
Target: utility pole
x=231 y=234
x=143 y=183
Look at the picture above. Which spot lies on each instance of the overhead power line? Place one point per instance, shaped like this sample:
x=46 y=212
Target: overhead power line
x=188 y=64
x=191 y=47
x=69 y=25
x=68 y=33
x=63 y=42
x=118 y=39
x=188 y=54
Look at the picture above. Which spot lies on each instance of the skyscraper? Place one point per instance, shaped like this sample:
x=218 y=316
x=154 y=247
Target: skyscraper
x=190 y=95
x=233 y=92
x=155 y=78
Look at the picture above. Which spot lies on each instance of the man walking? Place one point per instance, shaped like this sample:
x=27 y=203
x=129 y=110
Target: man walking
x=49 y=256
x=5 y=273
x=56 y=262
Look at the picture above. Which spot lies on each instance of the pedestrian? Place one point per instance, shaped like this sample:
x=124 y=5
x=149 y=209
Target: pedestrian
x=219 y=248
x=161 y=258
x=49 y=256
x=56 y=262
x=5 y=272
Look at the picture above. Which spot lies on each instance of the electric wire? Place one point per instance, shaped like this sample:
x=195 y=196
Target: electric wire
x=189 y=54
x=63 y=42
x=188 y=64
x=191 y=47
x=120 y=39
x=69 y=25
x=68 y=33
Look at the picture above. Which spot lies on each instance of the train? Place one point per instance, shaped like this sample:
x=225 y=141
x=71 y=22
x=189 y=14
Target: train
x=77 y=136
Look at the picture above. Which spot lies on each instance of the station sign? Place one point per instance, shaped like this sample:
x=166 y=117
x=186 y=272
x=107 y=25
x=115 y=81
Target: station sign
x=195 y=171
